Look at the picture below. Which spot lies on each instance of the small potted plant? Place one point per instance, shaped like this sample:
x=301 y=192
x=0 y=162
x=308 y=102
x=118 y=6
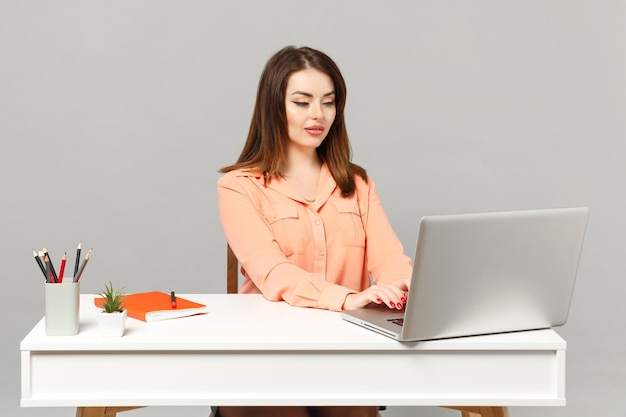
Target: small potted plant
x=112 y=320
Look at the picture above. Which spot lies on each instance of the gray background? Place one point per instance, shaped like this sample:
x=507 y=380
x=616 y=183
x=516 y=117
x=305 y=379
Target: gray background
x=116 y=115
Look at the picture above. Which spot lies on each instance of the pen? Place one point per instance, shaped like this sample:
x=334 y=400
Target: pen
x=40 y=263
x=62 y=269
x=173 y=296
x=77 y=260
x=82 y=266
x=54 y=273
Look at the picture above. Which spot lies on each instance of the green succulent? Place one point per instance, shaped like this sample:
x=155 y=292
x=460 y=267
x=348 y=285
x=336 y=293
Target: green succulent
x=113 y=299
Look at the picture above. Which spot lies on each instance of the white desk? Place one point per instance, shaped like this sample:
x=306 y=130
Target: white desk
x=248 y=351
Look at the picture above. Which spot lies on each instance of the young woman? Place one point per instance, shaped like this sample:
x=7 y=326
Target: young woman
x=306 y=223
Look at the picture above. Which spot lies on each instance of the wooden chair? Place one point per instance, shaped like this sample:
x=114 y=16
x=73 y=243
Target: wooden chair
x=232 y=271
x=101 y=411
x=232 y=286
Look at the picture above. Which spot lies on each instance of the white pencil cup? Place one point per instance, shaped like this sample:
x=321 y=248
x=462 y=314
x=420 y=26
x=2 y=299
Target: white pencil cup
x=62 y=307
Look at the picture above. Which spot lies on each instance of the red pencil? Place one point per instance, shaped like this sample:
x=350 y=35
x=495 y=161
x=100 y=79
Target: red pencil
x=62 y=269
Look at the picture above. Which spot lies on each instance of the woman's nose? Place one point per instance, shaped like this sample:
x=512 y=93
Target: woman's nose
x=316 y=112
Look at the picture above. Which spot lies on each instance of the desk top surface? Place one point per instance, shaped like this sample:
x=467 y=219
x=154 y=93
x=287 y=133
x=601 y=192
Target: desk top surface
x=250 y=322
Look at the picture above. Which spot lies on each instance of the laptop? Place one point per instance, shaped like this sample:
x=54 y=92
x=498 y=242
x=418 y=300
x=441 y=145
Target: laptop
x=484 y=273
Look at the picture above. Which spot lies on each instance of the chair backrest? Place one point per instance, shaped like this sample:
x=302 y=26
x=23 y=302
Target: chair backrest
x=232 y=271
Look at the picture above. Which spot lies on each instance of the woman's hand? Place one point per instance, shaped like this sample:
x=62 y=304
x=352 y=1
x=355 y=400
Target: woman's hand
x=393 y=295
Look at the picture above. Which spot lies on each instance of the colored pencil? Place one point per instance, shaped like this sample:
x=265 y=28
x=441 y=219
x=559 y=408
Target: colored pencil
x=46 y=261
x=78 y=249
x=40 y=263
x=62 y=269
x=54 y=273
x=82 y=266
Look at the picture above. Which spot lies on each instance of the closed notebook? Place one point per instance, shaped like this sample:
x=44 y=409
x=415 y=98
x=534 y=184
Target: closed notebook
x=156 y=305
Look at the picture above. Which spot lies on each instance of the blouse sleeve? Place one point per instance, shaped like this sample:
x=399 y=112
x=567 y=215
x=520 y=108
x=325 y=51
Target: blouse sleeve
x=250 y=236
x=386 y=260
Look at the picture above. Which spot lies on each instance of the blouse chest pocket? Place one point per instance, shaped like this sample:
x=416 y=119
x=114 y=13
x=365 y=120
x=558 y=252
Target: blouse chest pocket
x=287 y=228
x=351 y=226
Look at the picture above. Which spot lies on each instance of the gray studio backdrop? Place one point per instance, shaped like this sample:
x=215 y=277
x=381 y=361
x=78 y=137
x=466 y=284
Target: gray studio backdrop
x=116 y=115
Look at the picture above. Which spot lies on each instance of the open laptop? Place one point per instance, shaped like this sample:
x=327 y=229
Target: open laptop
x=484 y=273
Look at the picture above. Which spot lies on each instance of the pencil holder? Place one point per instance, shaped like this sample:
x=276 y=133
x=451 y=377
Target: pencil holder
x=62 y=306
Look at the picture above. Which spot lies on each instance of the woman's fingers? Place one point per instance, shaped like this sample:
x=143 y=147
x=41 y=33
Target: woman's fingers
x=391 y=295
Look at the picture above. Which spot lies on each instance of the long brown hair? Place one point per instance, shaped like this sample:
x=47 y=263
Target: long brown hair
x=266 y=146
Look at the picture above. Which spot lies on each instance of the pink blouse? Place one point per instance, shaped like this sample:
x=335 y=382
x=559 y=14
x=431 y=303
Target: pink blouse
x=308 y=254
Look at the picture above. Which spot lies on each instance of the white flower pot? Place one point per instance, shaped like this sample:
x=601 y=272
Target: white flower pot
x=112 y=324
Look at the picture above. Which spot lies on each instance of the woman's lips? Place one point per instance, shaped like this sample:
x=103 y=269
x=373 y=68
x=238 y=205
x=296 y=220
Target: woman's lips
x=314 y=130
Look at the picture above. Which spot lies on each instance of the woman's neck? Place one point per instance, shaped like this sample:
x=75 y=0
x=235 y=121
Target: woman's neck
x=302 y=164
x=303 y=173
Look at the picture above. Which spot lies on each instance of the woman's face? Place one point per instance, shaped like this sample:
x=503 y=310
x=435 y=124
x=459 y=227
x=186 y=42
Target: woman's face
x=310 y=107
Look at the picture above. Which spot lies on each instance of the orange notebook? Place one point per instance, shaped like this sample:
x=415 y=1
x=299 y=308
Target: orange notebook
x=156 y=305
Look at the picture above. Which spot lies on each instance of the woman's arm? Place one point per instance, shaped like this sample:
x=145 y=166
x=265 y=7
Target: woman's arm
x=387 y=264
x=386 y=260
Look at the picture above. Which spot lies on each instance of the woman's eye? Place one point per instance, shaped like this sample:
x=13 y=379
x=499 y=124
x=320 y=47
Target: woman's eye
x=329 y=103
x=301 y=103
